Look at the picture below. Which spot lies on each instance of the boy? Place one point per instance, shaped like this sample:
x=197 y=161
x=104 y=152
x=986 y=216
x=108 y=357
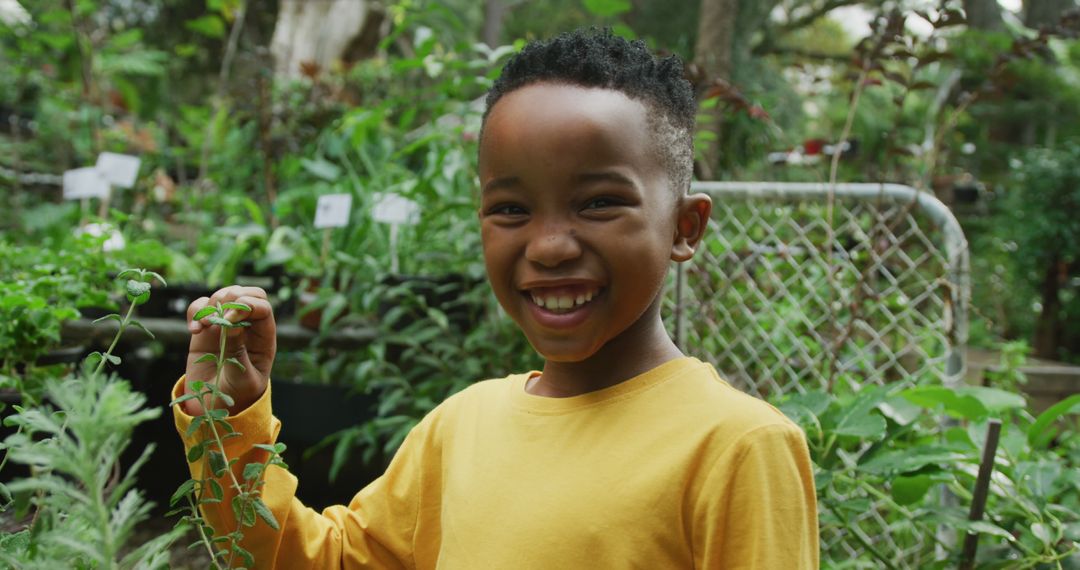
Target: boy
x=621 y=452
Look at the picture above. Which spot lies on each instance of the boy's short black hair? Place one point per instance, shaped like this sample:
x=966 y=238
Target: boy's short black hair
x=599 y=58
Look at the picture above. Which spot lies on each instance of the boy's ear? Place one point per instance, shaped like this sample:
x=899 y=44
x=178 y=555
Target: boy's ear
x=693 y=217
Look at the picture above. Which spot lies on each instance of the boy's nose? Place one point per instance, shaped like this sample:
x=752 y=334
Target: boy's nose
x=553 y=247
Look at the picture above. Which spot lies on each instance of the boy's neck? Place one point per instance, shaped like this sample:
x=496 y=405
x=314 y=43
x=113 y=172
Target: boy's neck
x=619 y=360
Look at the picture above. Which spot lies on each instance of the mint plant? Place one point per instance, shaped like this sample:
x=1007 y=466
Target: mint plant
x=246 y=503
x=84 y=509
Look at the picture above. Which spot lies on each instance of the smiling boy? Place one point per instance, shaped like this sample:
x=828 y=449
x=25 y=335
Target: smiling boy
x=622 y=452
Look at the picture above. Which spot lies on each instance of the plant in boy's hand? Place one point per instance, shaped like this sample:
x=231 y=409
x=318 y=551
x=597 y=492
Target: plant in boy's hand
x=229 y=363
x=238 y=323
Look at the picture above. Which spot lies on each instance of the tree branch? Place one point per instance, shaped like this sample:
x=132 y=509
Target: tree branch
x=801 y=53
x=813 y=15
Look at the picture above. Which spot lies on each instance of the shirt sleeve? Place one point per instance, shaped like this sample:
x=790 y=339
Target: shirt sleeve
x=376 y=529
x=758 y=506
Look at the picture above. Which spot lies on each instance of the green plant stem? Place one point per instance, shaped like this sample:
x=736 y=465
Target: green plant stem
x=885 y=562
x=205 y=540
x=116 y=339
x=219 y=366
x=103 y=520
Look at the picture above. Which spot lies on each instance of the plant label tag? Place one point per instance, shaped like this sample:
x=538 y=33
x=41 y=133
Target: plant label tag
x=85 y=183
x=333 y=210
x=393 y=209
x=120 y=170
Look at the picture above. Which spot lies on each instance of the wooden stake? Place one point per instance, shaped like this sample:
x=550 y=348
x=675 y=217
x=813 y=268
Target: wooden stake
x=982 y=487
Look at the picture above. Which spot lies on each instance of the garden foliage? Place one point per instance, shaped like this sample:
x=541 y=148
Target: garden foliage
x=230 y=185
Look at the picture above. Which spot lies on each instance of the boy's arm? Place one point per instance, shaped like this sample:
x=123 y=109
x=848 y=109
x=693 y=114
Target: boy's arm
x=375 y=531
x=758 y=506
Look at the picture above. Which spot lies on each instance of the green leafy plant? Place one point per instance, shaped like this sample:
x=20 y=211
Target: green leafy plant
x=85 y=509
x=884 y=456
x=247 y=505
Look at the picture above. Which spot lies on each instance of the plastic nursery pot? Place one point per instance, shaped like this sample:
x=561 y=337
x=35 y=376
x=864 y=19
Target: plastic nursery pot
x=311 y=412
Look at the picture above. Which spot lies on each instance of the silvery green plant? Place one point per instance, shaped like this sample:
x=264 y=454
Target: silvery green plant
x=85 y=509
x=247 y=505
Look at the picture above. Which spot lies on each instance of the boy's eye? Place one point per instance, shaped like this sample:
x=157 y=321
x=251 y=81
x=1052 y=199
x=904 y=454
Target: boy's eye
x=506 y=210
x=601 y=202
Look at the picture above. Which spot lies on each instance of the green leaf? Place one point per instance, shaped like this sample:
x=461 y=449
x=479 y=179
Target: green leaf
x=195 y=423
x=866 y=426
x=217 y=462
x=911 y=459
x=209 y=25
x=1041 y=432
x=252 y=471
x=203 y=313
x=607 y=8
x=227 y=399
x=322 y=168
x=224 y=323
x=208 y=357
x=816 y=401
x=900 y=410
x=249 y=560
x=112 y=358
x=114 y=317
x=140 y=326
x=236 y=306
x=183 y=398
x=265 y=514
x=858 y=418
x=136 y=289
x=995 y=399
x=237 y=364
x=196 y=452
x=181 y=492
x=952 y=401
x=907 y=490
x=1043 y=533
x=984 y=527
x=215 y=490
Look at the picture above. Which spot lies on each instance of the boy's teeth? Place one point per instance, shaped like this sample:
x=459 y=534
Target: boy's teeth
x=563 y=302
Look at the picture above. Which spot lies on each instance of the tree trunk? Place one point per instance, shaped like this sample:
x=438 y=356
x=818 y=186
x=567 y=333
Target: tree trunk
x=713 y=58
x=1048 y=325
x=984 y=15
x=311 y=36
x=494 y=16
x=1040 y=13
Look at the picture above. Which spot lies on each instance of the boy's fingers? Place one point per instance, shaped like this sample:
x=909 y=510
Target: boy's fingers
x=197 y=305
x=234 y=292
x=260 y=309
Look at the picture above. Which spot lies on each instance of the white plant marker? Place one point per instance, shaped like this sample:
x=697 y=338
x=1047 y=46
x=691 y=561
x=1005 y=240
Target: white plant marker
x=394 y=210
x=331 y=212
x=85 y=183
x=120 y=170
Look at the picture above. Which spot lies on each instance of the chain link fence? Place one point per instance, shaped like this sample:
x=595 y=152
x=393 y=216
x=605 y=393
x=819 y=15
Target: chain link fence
x=798 y=288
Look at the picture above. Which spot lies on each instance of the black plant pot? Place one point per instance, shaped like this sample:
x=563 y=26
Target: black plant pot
x=311 y=412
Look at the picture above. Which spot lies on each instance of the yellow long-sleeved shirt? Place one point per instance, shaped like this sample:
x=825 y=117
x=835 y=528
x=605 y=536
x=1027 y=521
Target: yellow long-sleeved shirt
x=671 y=469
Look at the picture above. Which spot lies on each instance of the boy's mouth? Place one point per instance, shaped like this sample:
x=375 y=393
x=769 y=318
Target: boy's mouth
x=562 y=299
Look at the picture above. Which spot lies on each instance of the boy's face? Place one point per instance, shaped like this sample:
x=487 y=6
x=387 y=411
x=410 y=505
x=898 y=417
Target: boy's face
x=578 y=218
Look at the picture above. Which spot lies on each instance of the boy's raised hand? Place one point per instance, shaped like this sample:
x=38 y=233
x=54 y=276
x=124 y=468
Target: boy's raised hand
x=253 y=346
